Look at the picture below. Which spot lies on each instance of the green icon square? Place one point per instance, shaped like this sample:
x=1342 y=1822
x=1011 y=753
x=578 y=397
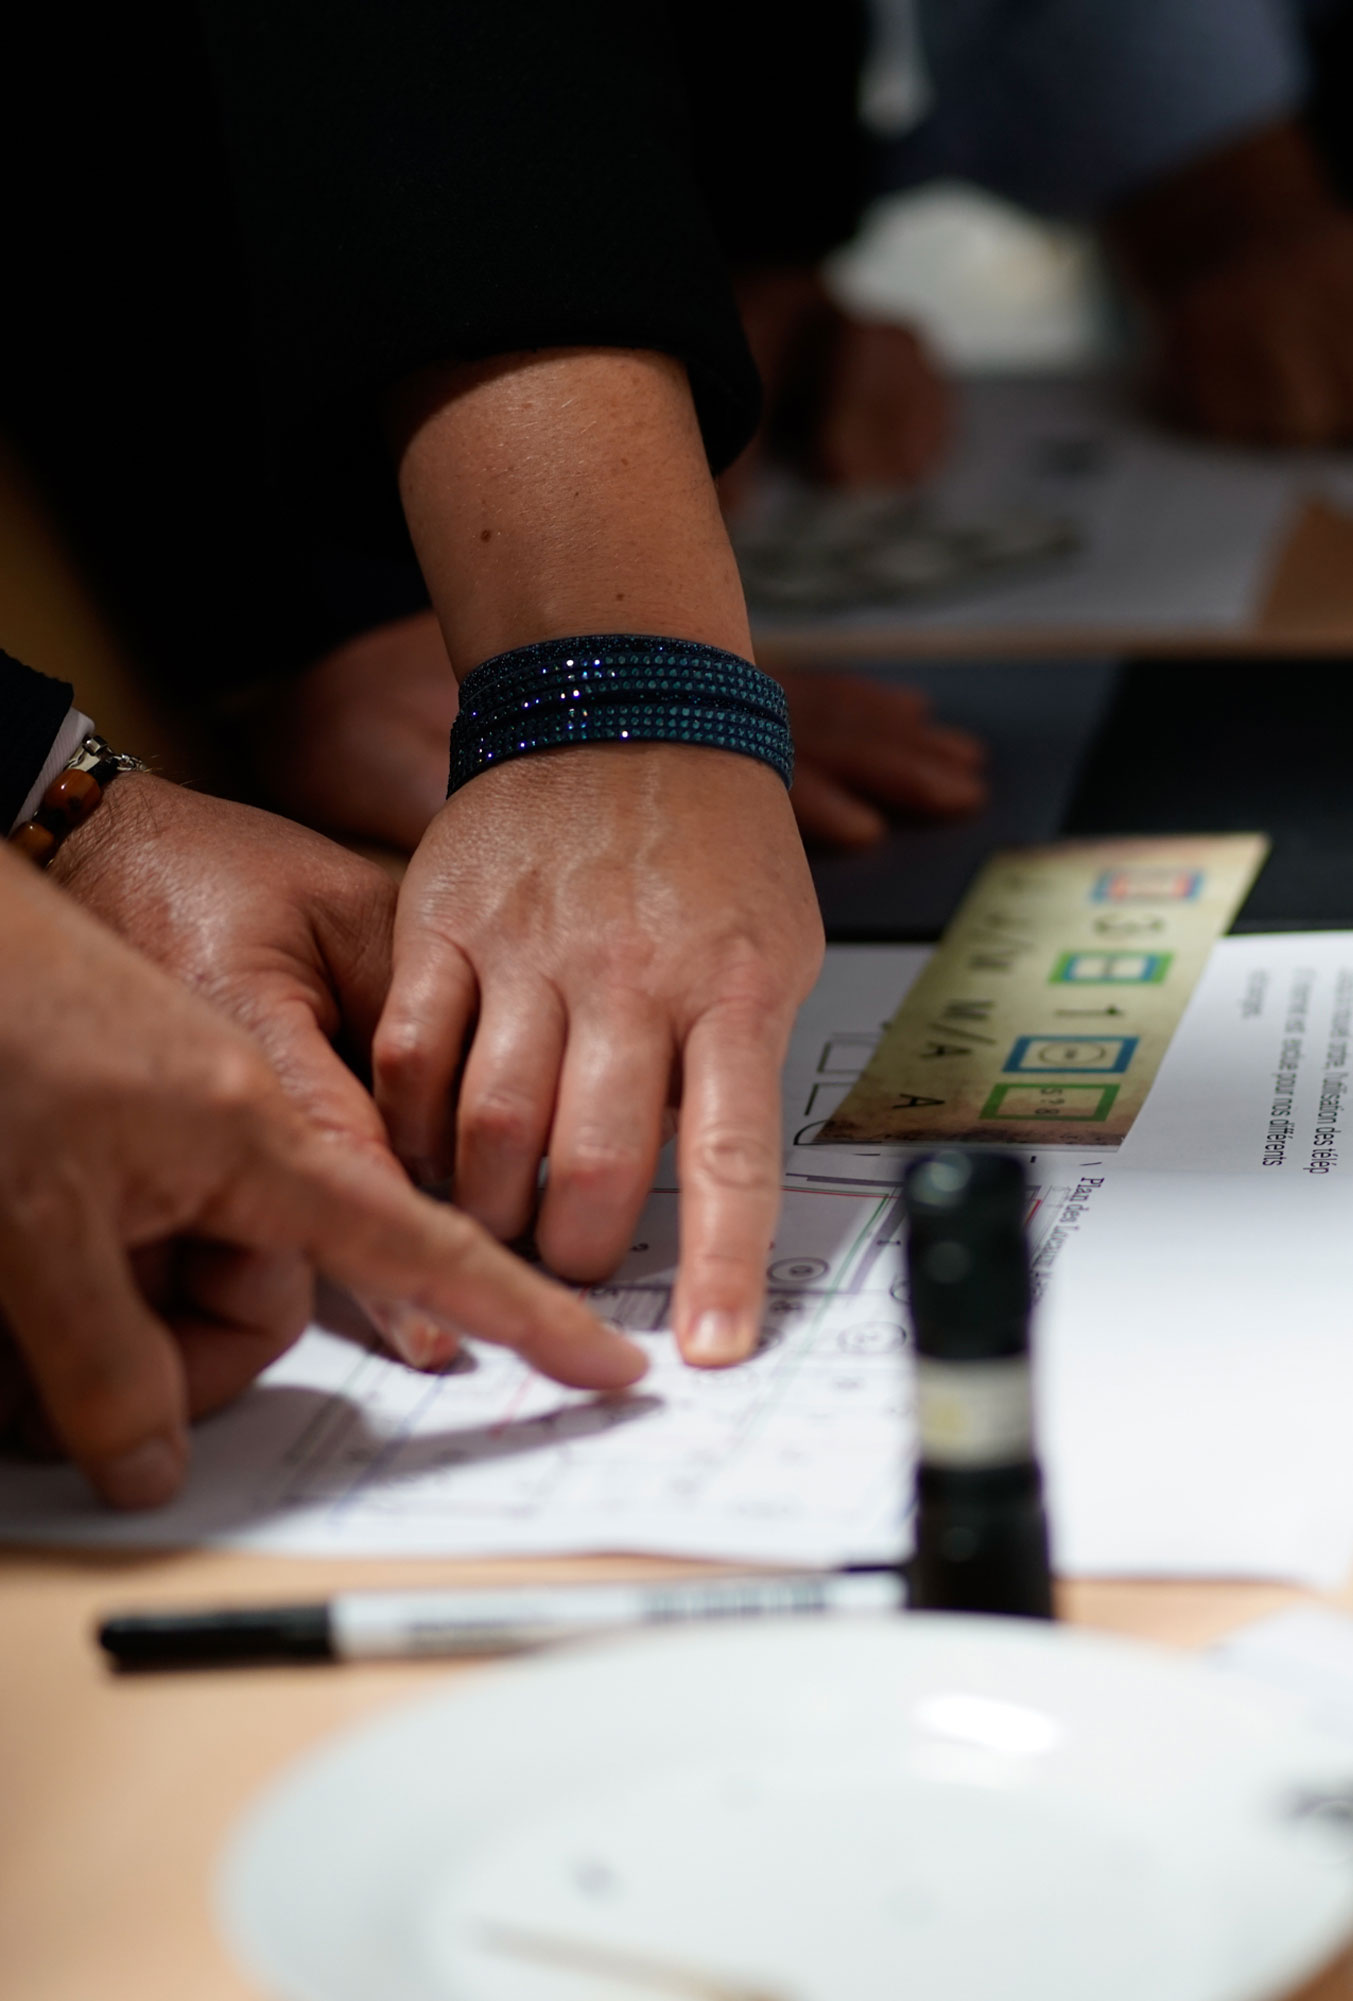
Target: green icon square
x=1117 y=968
x=1083 y=1103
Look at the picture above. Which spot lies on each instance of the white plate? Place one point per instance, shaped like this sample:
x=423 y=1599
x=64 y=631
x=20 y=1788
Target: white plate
x=932 y=1808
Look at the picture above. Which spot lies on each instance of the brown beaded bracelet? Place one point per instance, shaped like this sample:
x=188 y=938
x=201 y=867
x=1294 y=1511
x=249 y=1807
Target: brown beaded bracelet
x=70 y=799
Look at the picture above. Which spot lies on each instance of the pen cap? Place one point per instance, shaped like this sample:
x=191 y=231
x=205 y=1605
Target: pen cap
x=967 y=1255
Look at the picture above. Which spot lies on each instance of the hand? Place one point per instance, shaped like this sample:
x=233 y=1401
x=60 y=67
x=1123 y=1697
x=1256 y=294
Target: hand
x=886 y=416
x=150 y=1156
x=363 y=745
x=231 y=1312
x=1243 y=258
x=280 y=929
x=360 y=743
x=858 y=740
x=1257 y=349
x=595 y=934
x=852 y=402
x=283 y=931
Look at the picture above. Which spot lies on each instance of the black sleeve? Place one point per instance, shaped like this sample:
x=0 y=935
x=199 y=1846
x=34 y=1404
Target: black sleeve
x=781 y=157
x=428 y=180
x=32 y=710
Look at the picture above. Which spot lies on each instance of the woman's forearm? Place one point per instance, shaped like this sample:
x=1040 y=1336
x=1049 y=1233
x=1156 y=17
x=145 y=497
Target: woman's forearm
x=564 y=491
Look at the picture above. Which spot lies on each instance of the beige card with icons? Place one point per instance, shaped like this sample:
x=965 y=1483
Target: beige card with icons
x=1051 y=999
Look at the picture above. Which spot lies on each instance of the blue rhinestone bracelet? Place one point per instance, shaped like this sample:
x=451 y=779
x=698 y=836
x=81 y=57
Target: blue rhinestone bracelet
x=615 y=688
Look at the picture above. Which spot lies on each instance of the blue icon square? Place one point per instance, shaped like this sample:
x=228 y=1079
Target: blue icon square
x=1059 y=1055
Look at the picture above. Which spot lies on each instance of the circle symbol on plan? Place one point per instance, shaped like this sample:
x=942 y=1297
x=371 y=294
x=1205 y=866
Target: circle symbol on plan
x=781 y=1307
x=798 y=1271
x=875 y=1337
x=1071 y=1055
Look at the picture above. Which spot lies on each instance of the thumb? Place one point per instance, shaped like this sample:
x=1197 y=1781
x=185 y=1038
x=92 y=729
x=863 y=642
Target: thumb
x=317 y=1080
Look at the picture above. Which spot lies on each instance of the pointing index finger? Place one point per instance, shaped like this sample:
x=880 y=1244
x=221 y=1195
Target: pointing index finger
x=370 y=1231
x=730 y=1172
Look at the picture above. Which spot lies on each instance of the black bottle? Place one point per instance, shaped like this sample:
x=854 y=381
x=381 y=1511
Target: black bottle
x=981 y=1533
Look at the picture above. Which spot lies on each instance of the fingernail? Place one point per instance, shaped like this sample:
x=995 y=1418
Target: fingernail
x=421 y=1340
x=628 y=1362
x=145 y=1477
x=719 y=1338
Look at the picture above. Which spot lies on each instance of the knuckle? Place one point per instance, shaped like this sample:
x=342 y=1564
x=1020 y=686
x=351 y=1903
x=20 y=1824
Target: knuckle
x=592 y=1167
x=723 y=1268
x=757 y=988
x=446 y=1232
x=742 y=1162
x=401 y=1056
x=499 y=1121
x=464 y=1237
x=745 y=967
x=632 y=964
x=237 y=1083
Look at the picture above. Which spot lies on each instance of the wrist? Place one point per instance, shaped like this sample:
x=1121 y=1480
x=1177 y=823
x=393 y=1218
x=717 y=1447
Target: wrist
x=629 y=688
x=119 y=828
x=1264 y=190
x=76 y=793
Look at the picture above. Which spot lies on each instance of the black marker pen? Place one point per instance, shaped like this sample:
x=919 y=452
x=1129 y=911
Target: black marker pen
x=408 y=1625
x=981 y=1533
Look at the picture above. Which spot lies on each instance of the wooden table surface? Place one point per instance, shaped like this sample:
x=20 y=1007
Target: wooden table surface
x=116 y=1793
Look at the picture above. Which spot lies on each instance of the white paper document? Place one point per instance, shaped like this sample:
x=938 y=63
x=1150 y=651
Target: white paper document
x=1172 y=535
x=1195 y=1336
x=1197 y=1343
x=1195 y=1346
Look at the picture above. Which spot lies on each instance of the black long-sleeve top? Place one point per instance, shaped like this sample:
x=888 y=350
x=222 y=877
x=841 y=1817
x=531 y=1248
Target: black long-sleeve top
x=232 y=227
x=33 y=708
x=419 y=180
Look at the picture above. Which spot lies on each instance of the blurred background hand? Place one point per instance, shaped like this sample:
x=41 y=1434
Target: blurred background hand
x=1243 y=259
x=864 y=749
x=851 y=401
x=1259 y=349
